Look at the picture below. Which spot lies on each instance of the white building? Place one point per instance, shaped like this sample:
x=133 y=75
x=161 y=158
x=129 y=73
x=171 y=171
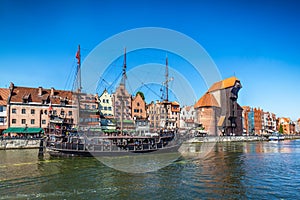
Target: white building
x=106 y=104
x=187 y=117
x=268 y=122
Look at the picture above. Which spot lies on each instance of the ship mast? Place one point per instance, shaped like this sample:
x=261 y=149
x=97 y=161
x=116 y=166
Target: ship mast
x=167 y=93
x=122 y=95
x=78 y=84
x=167 y=77
x=78 y=57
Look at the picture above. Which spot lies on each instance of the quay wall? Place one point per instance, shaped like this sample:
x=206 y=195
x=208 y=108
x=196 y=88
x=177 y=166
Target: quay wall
x=19 y=144
x=236 y=138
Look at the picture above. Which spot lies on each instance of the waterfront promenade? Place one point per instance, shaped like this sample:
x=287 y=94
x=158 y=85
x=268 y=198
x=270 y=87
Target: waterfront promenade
x=236 y=138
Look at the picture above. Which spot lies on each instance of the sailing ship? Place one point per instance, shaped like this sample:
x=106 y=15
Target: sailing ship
x=118 y=142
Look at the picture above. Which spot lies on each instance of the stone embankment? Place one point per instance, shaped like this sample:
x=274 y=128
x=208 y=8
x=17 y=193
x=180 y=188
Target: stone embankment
x=236 y=138
x=19 y=143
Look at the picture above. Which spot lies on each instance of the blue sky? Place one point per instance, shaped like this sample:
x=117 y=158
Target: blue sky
x=258 y=41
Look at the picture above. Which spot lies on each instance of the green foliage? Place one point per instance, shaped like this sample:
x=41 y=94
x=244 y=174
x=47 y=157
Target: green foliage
x=141 y=94
x=280 y=128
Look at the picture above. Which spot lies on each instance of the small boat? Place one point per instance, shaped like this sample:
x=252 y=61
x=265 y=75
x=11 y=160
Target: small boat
x=276 y=137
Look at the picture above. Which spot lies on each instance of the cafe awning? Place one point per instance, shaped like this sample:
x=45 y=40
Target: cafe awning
x=23 y=130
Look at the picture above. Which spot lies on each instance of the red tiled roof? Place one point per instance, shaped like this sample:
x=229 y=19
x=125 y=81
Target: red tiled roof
x=188 y=108
x=207 y=100
x=175 y=103
x=226 y=83
x=4 y=94
x=19 y=93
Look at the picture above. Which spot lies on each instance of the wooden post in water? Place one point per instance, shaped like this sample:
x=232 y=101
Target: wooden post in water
x=41 y=148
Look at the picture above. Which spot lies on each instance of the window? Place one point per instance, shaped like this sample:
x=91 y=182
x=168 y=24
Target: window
x=1 y=109
x=14 y=111
x=70 y=113
x=32 y=111
x=13 y=121
x=23 y=111
x=103 y=100
x=32 y=121
x=54 y=112
x=43 y=121
x=109 y=108
x=94 y=106
x=62 y=112
x=45 y=112
x=107 y=101
x=23 y=121
x=105 y=108
x=138 y=104
x=1 y=119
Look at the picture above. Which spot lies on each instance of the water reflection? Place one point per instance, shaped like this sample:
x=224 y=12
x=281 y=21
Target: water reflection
x=236 y=170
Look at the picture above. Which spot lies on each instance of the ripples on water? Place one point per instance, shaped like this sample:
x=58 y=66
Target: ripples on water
x=256 y=170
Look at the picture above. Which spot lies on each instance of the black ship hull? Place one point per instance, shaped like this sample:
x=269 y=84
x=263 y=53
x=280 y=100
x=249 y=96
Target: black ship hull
x=87 y=153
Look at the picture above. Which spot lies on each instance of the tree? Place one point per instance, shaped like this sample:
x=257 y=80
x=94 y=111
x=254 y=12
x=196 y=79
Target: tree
x=280 y=129
x=141 y=94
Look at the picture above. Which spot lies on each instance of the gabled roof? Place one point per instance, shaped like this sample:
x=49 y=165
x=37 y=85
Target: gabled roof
x=19 y=93
x=136 y=97
x=4 y=94
x=226 y=83
x=175 y=103
x=207 y=100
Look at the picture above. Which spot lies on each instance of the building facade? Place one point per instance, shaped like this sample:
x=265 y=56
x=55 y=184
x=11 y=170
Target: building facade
x=138 y=108
x=258 y=121
x=4 y=95
x=164 y=115
x=122 y=103
x=269 y=123
x=208 y=113
x=89 y=115
x=187 y=117
x=219 y=106
x=35 y=107
x=106 y=104
x=287 y=124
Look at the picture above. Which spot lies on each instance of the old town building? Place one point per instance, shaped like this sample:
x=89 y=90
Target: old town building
x=187 y=117
x=218 y=108
x=122 y=103
x=208 y=113
x=258 y=121
x=138 y=108
x=297 y=126
x=35 y=107
x=246 y=120
x=269 y=123
x=287 y=124
x=89 y=116
x=4 y=94
x=106 y=104
x=163 y=115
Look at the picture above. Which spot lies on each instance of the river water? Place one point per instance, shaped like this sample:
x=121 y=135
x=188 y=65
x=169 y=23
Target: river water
x=237 y=170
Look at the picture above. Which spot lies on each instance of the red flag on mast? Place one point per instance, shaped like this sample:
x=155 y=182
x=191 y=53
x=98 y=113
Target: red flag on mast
x=78 y=55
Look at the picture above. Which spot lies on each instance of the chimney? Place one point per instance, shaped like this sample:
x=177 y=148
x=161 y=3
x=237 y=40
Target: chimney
x=11 y=86
x=40 y=91
x=52 y=91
